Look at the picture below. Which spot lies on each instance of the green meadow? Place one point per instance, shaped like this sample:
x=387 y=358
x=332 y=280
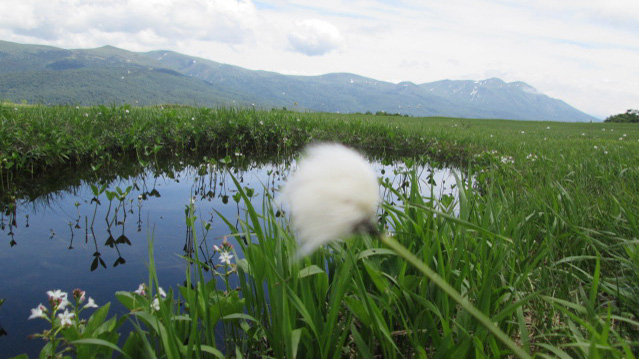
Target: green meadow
x=543 y=242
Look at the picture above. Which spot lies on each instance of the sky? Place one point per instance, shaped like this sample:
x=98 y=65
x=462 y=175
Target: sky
x=585 y=52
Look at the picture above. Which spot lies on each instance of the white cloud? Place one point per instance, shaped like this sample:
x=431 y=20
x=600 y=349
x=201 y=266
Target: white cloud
x=58 y=21
x=315 y=37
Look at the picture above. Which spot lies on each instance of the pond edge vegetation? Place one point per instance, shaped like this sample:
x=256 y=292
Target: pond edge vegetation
x=544 y=242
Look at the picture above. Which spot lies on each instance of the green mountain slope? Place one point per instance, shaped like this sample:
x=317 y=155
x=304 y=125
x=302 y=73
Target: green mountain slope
x=108 y=75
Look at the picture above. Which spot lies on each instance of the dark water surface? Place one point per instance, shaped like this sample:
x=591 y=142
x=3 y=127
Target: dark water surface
x=49 y=242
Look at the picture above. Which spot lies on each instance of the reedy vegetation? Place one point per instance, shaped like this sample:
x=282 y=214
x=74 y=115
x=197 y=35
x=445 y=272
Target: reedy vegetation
x=544 y=241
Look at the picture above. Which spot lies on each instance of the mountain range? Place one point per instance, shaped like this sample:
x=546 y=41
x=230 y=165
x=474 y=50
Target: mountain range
x=109 y=75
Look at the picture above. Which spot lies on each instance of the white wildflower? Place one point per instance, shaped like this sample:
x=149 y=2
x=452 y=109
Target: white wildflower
x=225 y=257
x=141 y=289
x=90 y=304
x=507 y=160
x=38 y=312
x=58 y=299
x=155 y=304
x=333 y=193
x=66 y=318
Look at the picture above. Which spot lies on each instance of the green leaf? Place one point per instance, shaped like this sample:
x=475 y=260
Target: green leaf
x=209 y=349
x=310 y=270
x=97 y=318
x=130 y=300
x=240 y=316
x=101 y=342
x=375 y=252
x=295 y=340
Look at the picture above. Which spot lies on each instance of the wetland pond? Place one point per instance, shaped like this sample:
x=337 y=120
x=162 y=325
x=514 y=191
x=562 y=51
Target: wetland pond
x=93 y=234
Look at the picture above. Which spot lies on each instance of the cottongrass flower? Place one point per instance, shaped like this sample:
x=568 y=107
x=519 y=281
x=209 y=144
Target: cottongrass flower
x=333 y=193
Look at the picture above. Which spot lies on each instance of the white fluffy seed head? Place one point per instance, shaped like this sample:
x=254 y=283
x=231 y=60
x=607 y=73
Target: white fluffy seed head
x=333 y=192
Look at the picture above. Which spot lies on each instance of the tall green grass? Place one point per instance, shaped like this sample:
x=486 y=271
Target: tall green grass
x=543 y=238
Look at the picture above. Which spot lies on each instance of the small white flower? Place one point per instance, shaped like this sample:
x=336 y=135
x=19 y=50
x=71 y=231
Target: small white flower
x=548 y=127
x=595 y=147
x=155 y=304
x=507 y=160
x=161 y=292
x=38 y=312
x=66 y=318
x=90 y=303
x=225 y=257
x=126 y=111
x=332 y=194
x=522 y=132
x=59 y=298
x=141 y=289
x=57 y=294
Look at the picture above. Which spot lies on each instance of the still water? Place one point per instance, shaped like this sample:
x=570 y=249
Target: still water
x=94 y=234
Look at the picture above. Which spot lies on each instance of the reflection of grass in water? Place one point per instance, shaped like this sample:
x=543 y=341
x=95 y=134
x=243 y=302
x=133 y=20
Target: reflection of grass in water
x=2 y=331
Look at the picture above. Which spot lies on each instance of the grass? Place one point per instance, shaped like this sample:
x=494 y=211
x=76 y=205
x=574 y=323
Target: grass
x=544 y=242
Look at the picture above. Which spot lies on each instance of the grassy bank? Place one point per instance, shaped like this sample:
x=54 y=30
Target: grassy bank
x=545 y=242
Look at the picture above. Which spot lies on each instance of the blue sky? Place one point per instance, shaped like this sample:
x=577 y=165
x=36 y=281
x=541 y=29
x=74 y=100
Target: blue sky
x=584 y=52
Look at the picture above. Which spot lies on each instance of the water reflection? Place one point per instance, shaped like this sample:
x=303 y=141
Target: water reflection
x=91 y=231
